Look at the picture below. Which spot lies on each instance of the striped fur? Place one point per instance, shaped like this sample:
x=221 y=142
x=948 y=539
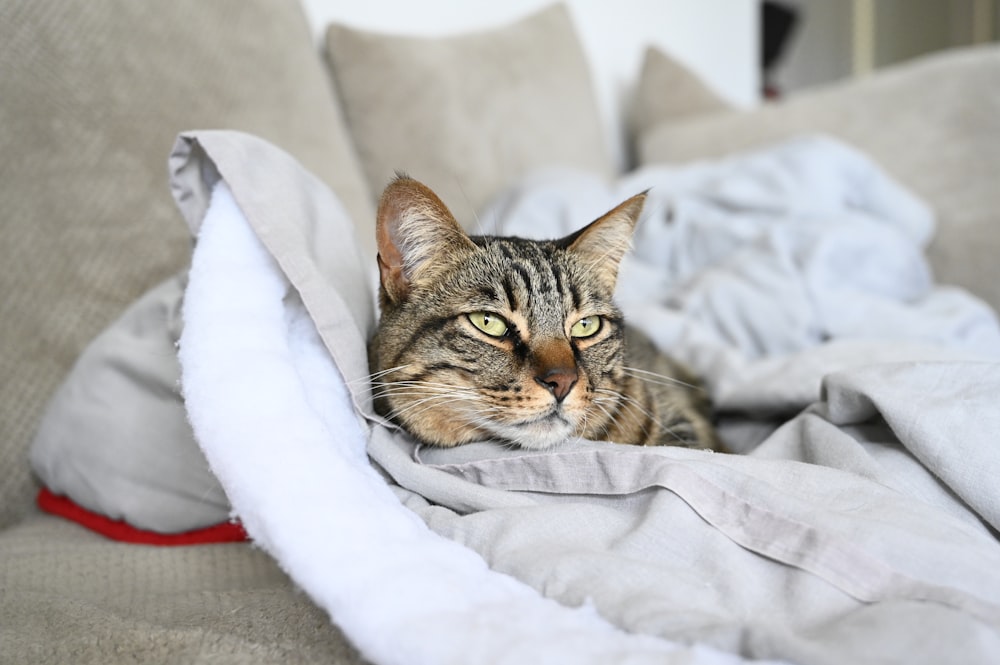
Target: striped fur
x=444 y=371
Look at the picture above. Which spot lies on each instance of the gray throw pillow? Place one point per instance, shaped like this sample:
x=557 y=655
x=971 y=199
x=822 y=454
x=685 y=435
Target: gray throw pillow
x=469 y=114
x=115 y=437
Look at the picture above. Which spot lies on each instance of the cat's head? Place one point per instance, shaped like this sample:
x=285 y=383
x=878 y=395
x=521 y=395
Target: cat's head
x=495 y=338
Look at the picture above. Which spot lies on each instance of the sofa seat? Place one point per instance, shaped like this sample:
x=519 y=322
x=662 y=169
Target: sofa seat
x=74 y=596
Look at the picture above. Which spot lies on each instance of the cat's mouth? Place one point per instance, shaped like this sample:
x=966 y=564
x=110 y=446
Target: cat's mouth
x=536 y=433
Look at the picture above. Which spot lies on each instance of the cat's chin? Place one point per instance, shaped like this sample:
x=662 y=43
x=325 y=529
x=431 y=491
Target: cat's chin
x=540 y=434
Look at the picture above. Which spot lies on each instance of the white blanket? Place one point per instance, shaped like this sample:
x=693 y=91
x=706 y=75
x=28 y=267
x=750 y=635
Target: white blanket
x=882 y=546
x=769 y=270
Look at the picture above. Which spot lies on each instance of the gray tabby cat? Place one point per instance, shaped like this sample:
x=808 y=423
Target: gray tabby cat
x=487 y=337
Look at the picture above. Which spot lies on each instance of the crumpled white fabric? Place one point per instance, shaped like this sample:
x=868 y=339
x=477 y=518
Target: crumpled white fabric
x=804 y=257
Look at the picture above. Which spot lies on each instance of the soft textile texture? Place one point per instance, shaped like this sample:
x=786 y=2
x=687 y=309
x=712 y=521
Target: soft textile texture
x=115 y=439
x=277 y=421
x=767 y=270
x=932 y=123
x=751 y=269
x=668 y=91
x=93 y=94
x=223 y=532
x=468 y=114
x=72 y=596
x=838 y=560
x=841 y=560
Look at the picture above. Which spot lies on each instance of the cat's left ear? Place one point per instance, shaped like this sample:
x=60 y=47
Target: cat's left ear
x=603 y=242
x=416 y=235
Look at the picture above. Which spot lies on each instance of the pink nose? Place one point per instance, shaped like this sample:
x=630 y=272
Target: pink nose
x=559 y=381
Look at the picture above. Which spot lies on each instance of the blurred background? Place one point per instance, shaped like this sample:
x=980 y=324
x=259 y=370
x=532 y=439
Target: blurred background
x=810 y=42
x=742 y=48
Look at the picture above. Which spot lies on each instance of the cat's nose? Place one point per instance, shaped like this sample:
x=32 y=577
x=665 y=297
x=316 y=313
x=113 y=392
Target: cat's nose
x=559 y=381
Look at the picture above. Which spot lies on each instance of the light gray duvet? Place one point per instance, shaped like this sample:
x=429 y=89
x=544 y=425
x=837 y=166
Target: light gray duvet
x=861 y=531
x=860 y=525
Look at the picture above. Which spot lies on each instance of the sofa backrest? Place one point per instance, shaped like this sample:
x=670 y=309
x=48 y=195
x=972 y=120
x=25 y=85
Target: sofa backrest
x=91 y=98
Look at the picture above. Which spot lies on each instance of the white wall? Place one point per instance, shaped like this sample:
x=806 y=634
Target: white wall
x=716 y=38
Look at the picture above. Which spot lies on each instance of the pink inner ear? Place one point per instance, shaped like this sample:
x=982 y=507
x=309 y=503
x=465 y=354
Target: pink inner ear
x=413 y=220
x=392 y=279
x=388 y=248
x=390 y=258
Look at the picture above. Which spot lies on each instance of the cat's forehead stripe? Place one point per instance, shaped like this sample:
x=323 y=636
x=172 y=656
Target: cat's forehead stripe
x=565 y=286
x=530 y=278
x=488 y=293
x=508 y=289
x=521 y=271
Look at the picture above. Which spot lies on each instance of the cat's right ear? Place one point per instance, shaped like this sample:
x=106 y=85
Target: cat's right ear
x=605 y=241
x=416 y=235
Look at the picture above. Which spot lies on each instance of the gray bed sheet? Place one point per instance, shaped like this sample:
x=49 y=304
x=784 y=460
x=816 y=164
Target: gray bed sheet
x=862 y=530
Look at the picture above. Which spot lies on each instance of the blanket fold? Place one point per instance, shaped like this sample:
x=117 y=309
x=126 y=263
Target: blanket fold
x=278 y=419
x=862 y=521
x=319 y=257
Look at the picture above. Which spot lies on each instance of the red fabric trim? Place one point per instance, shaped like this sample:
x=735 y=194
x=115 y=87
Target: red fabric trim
x=226 y=532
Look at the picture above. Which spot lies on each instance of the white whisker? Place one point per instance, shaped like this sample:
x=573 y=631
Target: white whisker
x=417 y=382
x=664 y=380
x=371 y=377
x=427 y=404
x=599 y=403
x=635 y=403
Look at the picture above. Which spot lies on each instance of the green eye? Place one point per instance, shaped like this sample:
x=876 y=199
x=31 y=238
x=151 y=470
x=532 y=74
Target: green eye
x=491 y=324
x=586 y=327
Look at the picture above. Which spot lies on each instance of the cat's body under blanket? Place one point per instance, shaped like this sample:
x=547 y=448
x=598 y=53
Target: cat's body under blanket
x=485 y=337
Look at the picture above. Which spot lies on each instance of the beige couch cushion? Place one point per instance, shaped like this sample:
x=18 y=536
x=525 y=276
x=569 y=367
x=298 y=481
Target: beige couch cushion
x=71 y=596
x=91 y=99
x=115 y=437
x=933 y=123
x=667 y=91
x=468 y=114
